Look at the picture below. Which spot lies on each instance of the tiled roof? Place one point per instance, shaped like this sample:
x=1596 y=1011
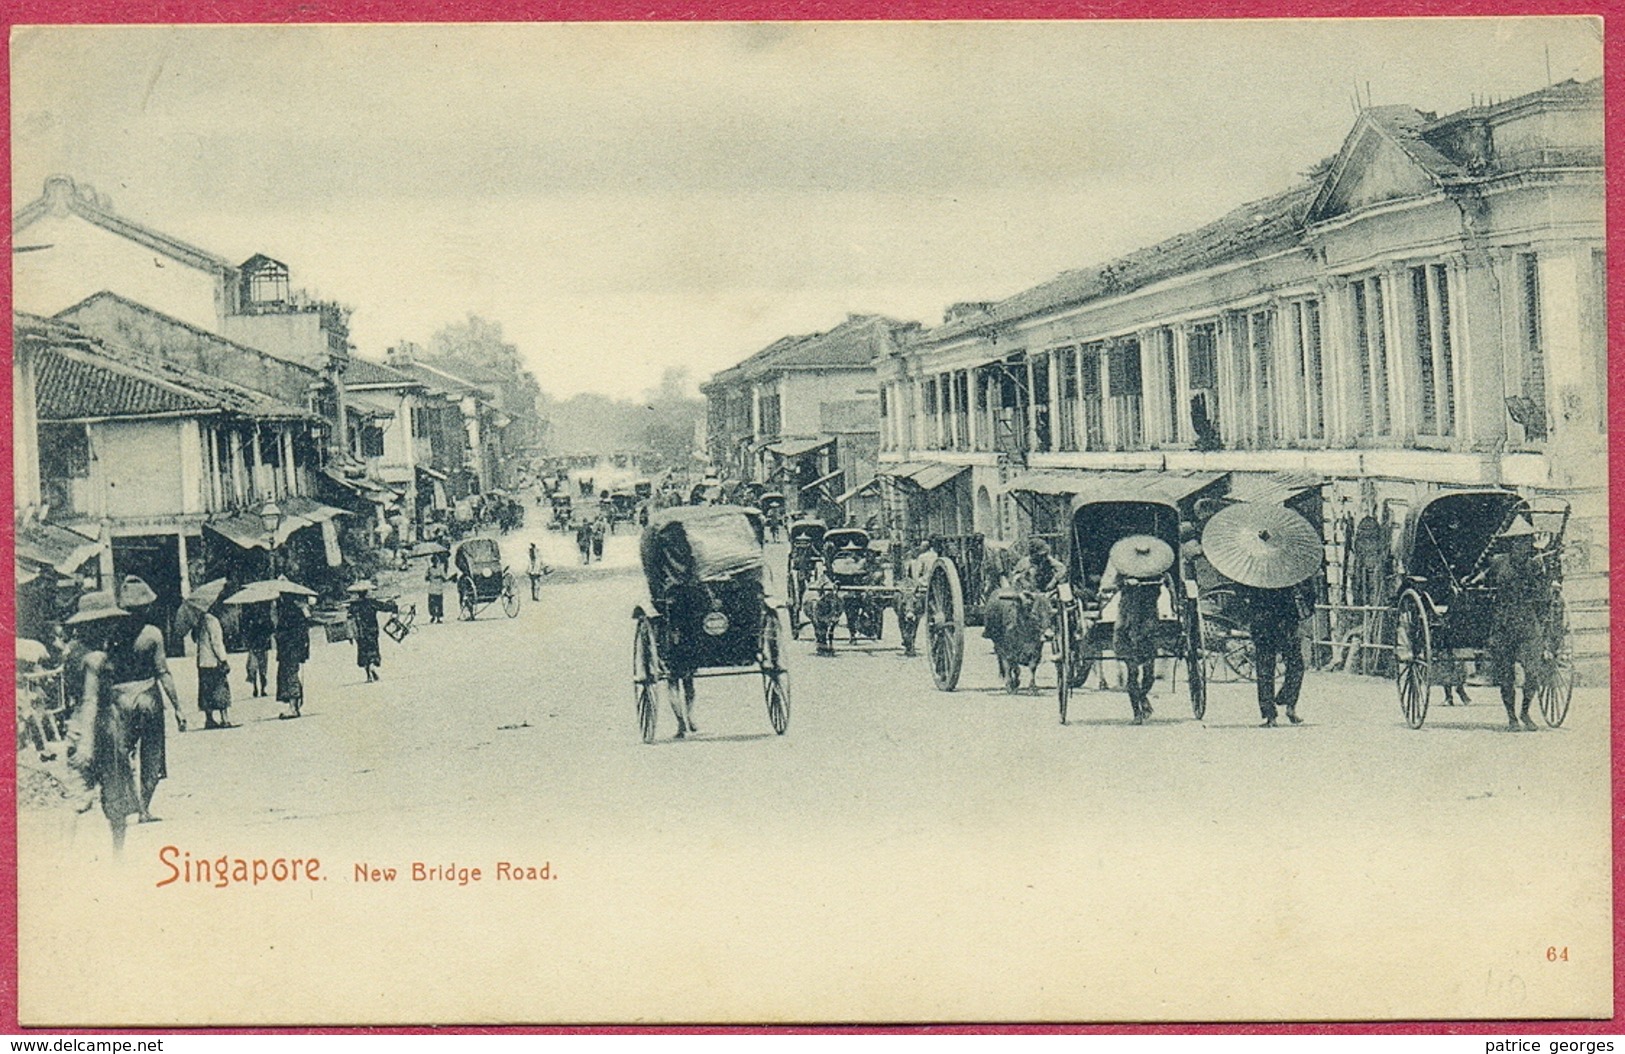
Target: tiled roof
x=856 y=343
x=1255 y=229
x=73 y=388
x=79 y=377
x=365 y=371
x=1264 y=226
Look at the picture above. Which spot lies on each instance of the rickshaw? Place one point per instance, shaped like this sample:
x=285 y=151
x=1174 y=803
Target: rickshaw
x=708 y=614
x=482 y=580
x=773 y=509
x=806 y=556
x=855 y=570
x=1442 y=611
x=562 y=506
x=621 y=508
x=1102 y=515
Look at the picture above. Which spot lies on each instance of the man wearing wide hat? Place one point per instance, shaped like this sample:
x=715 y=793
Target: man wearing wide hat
x=1270 y=552
x=139 y=673
x=1135 y=569
x=1522 y=585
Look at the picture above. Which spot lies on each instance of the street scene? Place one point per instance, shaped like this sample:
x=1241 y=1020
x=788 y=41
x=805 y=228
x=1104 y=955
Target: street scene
x=1215 y=630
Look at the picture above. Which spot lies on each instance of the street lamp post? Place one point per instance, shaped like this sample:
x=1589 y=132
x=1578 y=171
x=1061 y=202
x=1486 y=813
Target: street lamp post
x=271 y=519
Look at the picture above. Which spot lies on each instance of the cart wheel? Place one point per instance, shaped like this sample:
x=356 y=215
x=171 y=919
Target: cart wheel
x=945 y=624
x=1558 y=688
x=1240 y=658
x=1064 y=651
x=645 y=683
x=1081 y=662
x=1413 y=654
x=775 y=678
x=1194 y=672
x=510 y=596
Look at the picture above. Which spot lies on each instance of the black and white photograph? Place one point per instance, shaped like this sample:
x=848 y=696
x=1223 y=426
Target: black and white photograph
x=773 y=523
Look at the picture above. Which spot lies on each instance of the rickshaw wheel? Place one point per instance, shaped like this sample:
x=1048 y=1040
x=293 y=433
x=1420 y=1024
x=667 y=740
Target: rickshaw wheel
x=1063 y=657
x=645 y=685
x=1080 y=662
x=1240 y=658
x=1558 y=688
x=775 y=678
x=1194 y=671
x=510 y=596
x=945 y=624
x=1413 y=654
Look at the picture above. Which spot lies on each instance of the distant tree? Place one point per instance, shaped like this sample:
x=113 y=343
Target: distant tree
x=673 y=408
x=476 y=345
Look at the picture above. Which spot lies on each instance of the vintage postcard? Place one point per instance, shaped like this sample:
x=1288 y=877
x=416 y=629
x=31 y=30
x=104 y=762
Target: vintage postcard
x=853 y=522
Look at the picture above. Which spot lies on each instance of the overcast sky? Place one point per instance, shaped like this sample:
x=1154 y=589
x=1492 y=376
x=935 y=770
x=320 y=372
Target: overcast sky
x=627 y=197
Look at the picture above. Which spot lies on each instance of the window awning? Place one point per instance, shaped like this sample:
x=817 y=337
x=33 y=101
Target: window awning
x=310 y=511
x=1167 y=488
x=363 y=487
x=245 y=531
x=1275 y=488
x=799 y=447
x=1054 y=483
x=859 y=489
x=821 y=480
x=927 y=475
x=56 y=547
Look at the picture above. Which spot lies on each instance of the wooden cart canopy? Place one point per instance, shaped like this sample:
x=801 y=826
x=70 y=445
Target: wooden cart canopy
x=700 y=543
x=1176 y=489
x=1452 y=530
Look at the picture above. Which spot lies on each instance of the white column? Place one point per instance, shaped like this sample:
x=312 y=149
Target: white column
x=973 y=381
x=1182 y=384
x=186 y=572
x=1562 y=279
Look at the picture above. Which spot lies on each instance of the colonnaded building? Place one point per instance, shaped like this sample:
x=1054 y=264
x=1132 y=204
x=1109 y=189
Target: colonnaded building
x=1426 y=312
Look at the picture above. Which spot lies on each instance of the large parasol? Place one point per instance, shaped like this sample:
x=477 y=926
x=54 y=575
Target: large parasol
x=1141 y=556
x=269 y=589
x=1265 y=546
x=196 y=603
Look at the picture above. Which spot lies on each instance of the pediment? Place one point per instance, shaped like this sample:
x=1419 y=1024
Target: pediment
x=1372 y=169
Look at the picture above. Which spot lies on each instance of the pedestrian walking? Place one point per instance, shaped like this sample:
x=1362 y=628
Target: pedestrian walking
x=255 y=623
x=1137 y=572
x=1271 y=553
x=536 y=567
x=584 y=541
x=436 y=577
x=598 y=532
x=1522 y=585
x=138 y=671
x=213 y=669
x=364 y=611
x=292 y=651
x=98 y=740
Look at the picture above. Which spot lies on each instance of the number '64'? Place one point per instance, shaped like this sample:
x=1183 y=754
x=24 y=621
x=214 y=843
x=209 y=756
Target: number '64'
x=1555 y=954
